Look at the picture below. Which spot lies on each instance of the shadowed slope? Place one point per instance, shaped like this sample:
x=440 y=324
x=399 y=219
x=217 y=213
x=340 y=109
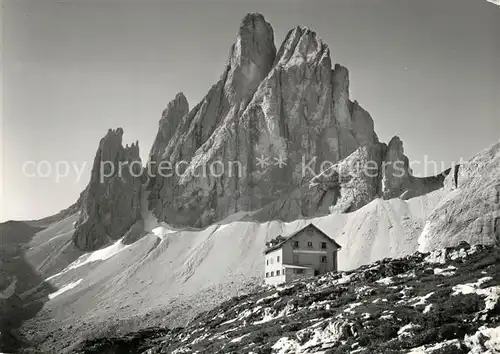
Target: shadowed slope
x=17 y=278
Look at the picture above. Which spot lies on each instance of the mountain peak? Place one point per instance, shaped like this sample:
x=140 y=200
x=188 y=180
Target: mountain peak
x=170 y=120
x=291 y=104
x=254 y=22
x=303 y=43
x=254 y=43
x=251 y=18
x=111 y=202
x=118 y=132
x=395 y=141
x=179 y=102
x=180 y=98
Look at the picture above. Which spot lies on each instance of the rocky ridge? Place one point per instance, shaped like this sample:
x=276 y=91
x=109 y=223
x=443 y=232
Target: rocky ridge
x=277 y=136
x=170 y=120
x=269 y=116
x=446 y=301
x=471 y=207
x=111 y=203
x=397 y=177
x=285 y=141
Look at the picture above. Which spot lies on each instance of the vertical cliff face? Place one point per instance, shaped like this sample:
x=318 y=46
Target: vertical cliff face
x=267 y=127
x=470 y=211
x=342 y=187
x=170 y=120
x=265 y=137
x=176 y=198
x=111 y=203
x=250 y=59
x=290 y=120
x=355 y=125
x=397 y=177
x=302 y=113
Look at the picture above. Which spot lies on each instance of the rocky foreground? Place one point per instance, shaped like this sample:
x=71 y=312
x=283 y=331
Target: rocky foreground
x=442 y=302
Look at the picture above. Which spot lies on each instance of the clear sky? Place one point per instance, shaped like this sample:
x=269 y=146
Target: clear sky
x=426 y=70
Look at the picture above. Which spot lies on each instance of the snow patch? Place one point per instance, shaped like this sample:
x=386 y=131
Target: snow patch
x=99 y=255
x=268 y=316
x=362 y=289
x=423 y=299
x=417 y=301
x=410 y=274
x=428 y=308
x=461 y=253
x=222 y=227
x=64 y=289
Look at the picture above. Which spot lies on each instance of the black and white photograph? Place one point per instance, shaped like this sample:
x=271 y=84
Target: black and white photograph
x=250 y=177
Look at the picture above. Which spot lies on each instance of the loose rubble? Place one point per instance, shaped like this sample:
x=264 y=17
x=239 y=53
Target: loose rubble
x=374 y=309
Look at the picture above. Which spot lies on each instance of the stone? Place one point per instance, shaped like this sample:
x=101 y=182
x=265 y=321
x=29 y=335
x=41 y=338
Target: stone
x=111 y=203
x=340 y=188
x=288 y=109
x=170 y=120
x=398 y=180
x=470 y=211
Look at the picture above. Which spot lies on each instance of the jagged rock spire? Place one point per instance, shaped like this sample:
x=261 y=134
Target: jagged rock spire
x=397 y=177
x=293 y=105
x=170 y=120
x=111 y=203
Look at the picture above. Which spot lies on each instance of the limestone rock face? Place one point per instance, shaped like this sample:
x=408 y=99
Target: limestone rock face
x=278 y=135
x=340 y=188
x=361 y=172
x=471 y=209
x=170 y=120
x=398 y=180
x=111 y=203
x=397 y=177
x=250 y=59
x=264 y=130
